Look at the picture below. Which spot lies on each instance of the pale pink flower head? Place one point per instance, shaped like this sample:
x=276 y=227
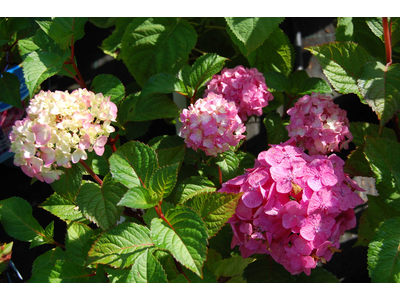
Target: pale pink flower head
x=58 y=130
x=246 y=87
x=212 y=125
x=319 y=125
x=294 y=207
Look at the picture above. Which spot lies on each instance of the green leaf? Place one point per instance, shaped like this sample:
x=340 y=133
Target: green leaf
x=9 y=86
x=228 y=163
x=193 y=186
x=204 y=68
x=342 y=63
x=103 y=22
x=49 y=257
x=147 y=269
x=151 y=213
x=121 y=245
x=360 y=129
x=252 y=31
x=171 y=156
x=61 y=271
x=357 y=165
x=382 y=155
x=63 y=208
x=318 y=275
x=39 y=65
x=112 y=44
x=61 y=30
x=116 y=275
x=277 y=81
x=191 y=277
x=109 y=86
x=163 y=180
x=317 y=85
x=152 y=107
x=133 y=164
x=276 y=128
x=266 y=270
x=185 y=237
x=379 y=87
x=275 y=54
x=376 y=213
x=163 y=83
x=156 y=45
x=99 y=205
x=231 y=267
x=48 y=232
x=78 y=242
x=214 y=208
x=18 y=222
x=138 y=198
x=69 y=183
x=246 y=161
x=5 y=255
x=383 y=253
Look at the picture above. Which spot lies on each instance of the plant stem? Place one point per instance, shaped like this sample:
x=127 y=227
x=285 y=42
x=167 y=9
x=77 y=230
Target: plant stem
x=220 y=175
x=59 y=245
x=388 y=42
x=161 y=215
x=112 y=142
x=90 y=171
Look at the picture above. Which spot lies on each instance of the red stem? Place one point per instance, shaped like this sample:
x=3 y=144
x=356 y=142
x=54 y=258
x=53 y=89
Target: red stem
x=388 y=42
x=76 y=79
x=161 y=215
x=90 y=171
x=220 y=175
x=112 y=143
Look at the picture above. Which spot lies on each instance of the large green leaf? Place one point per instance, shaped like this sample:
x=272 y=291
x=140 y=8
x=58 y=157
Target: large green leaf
x=63 y=208
x=204 y=68
x=133 y=164
x=69 y=183
x=78 y=241
x=171 y=156
x=193 y=186
x=360 y=129
x=185 y=237
x=49 y=257
x=61 y=30
x=382 y=155
x=379 y=85
x=156 y=45
x=18 y=222
x=121 y=246
x=109 y=86
x=40 y=65
x=99 y=204
x=252 y=31
x=342 y=63
x=147 y=269
x=214 y=208
x=384 y=253
x=151 y=107
x=9 y=86
x=376 y=213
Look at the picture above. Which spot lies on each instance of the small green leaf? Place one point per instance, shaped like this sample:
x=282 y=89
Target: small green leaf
x=191 y=277
x=147 y=269
x=163 y=180
x=193 y=186
x=342 y=63
x=121 y=245
x=138 y=198
x=214 y=208
x=63 y=208
x=99 y=205
x=5 y=255
x=186 y=239
x=18 y=222
x=231 y=267
x=382 y=155
x=277 y=81
x=9 y=86
x=252 y=31
x=163 y=83
x=103 y=22
x=69 y=183
x=112 y=44
x=379 y=85
x=276 y=128
x=109 y=86
x=204 y=68
x=383 y=253
x=155 y=45
x=78 y=241
x=133 y=164
x=228 y=163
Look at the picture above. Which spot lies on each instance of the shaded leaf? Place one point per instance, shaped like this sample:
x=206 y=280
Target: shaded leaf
x=109 y=86
x=69 y=183
x=78 y=241
x=9 y=86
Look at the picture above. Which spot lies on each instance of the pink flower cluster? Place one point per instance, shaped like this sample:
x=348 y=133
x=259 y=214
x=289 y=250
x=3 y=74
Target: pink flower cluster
x=246 y=87
x=59 y=128
x=211 y=124
x=294 y=207
x=319 y=125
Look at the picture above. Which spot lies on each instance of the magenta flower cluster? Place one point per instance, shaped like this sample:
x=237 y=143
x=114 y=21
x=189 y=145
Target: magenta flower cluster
x=212 y=125
x=294 y=207
x=319 y=125
x=246 y=87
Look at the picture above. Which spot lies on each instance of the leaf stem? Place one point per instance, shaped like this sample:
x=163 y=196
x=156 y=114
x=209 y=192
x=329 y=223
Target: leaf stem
x=220 y=175
x=90 y=171
x=112 y=142
x=58 y=244
x=161 y=215
x=388 y=42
